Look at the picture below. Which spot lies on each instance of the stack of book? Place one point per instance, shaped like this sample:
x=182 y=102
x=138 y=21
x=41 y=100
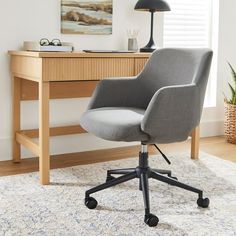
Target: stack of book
x=35 y=46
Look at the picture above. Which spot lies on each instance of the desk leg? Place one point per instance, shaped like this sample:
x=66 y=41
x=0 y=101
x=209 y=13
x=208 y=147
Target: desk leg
x=16 y=95
x=195 y=143
x=44 y=154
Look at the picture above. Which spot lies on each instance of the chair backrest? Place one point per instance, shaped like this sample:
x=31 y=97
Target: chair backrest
x=172 y=66
x=178 y=78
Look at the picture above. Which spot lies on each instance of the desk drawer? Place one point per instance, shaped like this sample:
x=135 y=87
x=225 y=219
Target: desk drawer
x=62 y=69
x=59 y=90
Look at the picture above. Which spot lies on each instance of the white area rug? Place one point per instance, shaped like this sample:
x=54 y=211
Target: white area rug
x=26 y=208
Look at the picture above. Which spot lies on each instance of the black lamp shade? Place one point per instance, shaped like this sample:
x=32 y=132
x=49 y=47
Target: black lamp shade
x=152 y=5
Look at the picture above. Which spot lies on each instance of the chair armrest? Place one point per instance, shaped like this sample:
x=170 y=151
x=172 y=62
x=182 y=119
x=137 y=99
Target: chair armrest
x=114 y=92
x=172 y=113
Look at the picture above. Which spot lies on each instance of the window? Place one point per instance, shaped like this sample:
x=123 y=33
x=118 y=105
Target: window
x=189 y=25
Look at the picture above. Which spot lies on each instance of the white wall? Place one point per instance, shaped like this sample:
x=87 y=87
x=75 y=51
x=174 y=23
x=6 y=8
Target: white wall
x=34 y=19
x=212 y=120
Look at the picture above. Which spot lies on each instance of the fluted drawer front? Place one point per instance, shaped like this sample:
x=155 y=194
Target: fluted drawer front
x=139 y=64
x=62 y=69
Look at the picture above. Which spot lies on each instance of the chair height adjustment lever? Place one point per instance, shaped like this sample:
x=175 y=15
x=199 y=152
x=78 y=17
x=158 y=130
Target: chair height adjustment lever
x=163 y=155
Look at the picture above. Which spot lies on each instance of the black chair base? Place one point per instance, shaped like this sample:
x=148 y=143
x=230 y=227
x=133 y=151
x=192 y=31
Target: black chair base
x=143 y=172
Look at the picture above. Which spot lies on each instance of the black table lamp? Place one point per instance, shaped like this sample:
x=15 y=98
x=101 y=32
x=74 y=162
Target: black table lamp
x=151 y=6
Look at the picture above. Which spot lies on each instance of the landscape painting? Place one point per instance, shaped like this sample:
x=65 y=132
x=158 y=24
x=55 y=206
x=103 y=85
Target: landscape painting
x=86 y=16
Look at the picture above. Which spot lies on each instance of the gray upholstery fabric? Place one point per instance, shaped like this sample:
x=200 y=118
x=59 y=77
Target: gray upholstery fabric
x=171 y=90
x=174 y=116
x=122 y=92
x=115 y=123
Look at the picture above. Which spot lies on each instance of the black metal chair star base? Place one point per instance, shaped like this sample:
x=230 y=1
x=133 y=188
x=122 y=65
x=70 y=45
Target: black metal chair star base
x=143 y=172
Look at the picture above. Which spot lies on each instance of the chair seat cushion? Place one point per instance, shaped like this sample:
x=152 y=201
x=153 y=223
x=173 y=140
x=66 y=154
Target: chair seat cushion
x=115 y=123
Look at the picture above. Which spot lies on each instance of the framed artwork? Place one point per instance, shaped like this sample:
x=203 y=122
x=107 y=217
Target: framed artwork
x=86 y=16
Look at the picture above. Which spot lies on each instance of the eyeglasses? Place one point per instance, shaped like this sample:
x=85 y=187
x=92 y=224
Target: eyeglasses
x=46 y=42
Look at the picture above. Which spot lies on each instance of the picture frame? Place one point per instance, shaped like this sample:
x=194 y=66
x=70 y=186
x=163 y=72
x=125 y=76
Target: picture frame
x=86 y=17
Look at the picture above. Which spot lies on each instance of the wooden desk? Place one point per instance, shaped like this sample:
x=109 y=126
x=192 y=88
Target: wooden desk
x=44 y=76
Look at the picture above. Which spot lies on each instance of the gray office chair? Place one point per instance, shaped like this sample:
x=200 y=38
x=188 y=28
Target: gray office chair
x=161 y=105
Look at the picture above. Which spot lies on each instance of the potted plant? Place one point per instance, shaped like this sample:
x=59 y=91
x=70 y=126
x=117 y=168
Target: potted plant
x=230 y=111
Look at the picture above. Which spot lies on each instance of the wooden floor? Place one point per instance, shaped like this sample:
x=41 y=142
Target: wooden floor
x=216 y=146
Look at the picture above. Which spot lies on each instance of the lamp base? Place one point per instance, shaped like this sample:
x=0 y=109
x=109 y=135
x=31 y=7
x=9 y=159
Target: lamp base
x=148 y=49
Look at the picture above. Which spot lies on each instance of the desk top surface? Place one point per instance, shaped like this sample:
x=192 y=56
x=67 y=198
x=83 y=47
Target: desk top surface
x=77 y=54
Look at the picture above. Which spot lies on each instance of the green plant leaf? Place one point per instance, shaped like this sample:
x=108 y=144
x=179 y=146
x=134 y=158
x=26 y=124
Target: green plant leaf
x=232 y=90
x=233 y=72
x=225 y=98
x=234 y=100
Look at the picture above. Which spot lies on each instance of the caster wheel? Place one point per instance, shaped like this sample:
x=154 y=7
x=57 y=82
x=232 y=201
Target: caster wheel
x=90 y=202
x=203 y=202
x=151 y=220
x=109 y=178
